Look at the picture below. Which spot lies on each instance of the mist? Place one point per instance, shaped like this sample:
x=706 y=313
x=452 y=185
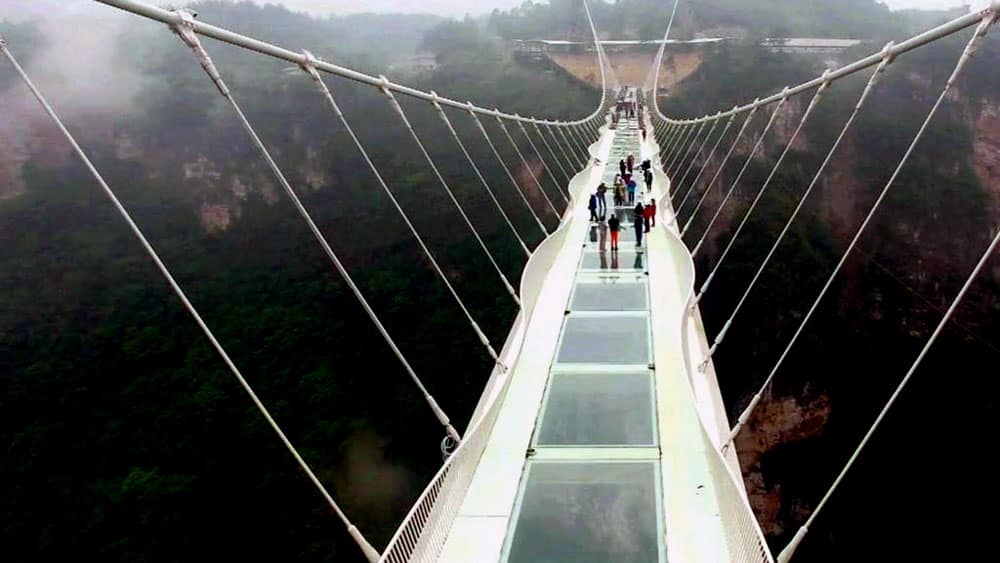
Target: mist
x=76 y=65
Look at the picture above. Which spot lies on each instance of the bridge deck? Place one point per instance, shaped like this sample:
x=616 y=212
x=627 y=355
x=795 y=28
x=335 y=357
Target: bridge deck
x=597 y=453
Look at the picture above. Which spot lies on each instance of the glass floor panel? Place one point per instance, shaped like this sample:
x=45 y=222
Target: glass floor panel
x=605 y=339
x=587 y=512
x=598 y=409
x=626 y=259
x=610 y=294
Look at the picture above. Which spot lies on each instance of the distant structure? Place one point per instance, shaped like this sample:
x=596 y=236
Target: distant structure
x=541 y=46
x=809 y=44
x=818 y=45
x=416 y=64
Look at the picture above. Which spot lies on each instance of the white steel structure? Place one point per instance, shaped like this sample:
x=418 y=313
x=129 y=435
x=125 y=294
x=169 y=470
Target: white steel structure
x=601 y=434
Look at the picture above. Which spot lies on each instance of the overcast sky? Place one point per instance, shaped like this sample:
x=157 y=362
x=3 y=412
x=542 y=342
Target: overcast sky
x=475 y=7
x=19 y=9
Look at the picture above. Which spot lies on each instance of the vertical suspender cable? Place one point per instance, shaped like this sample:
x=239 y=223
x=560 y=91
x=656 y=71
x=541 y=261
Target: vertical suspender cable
x=869 y=88
x=513 y=180
x=451 y=195
x=722 y=166
x=482 y=179
x=573 y=149
x=967 y=53
x=551 y=152
x=786 y=554
x=570 y=165
x=370 y=553
x=739 y=177
x=690 y=136
x=541 y=159
x=746 y=216
x=527 y=167
x=708 y=160
x=185 y=32
x=698 y=154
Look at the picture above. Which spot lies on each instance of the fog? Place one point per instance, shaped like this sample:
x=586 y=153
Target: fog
x=78 y=70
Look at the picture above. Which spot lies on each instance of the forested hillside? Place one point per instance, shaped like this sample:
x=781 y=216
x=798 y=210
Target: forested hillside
x=124 y=437
x=933 y=227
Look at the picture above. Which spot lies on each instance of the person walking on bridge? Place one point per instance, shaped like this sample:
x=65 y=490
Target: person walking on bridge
x=614 y=225
x=621 y=166
x=648 y=176
x=631 y=191
x=630 y=163
x=602 y=201
x=638 y=222
x=592 y=206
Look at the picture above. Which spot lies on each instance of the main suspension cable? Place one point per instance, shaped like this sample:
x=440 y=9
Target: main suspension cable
x=370 y=553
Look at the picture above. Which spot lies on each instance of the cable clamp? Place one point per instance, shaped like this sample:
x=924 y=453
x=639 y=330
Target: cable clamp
x=184 y=28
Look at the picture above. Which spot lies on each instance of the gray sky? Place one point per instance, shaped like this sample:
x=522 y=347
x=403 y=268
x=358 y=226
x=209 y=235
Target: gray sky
x=475 y=7
x=19 y=9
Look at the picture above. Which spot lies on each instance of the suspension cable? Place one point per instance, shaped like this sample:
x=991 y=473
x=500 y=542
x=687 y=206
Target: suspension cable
x=451 y=195
x=562 y=150
x=548 y=147
x=370 y=553
x=718 y=172
x=573 y=149
x=786 y=554
x=685 y=147
x=545 y=165
x=513 y=180
x=962 y=60
x=482 y=179
x=184 y=31
x=694 y=183
x=739 y=177
x=869 y=88
x=675 y=140
x=659 y=63
x=697 y=155
x=746 y=216
x=527 y=167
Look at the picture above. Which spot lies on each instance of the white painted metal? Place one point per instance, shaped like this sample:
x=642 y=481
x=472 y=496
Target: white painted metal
x=172 y=18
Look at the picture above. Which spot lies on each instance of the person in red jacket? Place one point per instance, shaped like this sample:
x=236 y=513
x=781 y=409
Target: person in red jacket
x=652 y=212
x=647 y=214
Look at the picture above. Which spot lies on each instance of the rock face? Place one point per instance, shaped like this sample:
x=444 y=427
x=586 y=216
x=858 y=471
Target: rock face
x=631 y=68
x=777 y=421
x=986 y=148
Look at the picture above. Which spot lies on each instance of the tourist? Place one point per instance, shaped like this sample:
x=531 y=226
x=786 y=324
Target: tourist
x=592 y=206
x=649 y=180
x=638 y=222
x=614 y=225
x=602 y=201
x=631 y=191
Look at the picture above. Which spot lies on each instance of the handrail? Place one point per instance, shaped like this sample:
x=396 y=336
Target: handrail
x=424 y=530
x=890 y=51
x=173 y=18
x=745 y=540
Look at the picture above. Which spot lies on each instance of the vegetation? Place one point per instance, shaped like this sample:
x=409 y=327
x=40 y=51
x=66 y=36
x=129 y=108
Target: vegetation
x=934 y=225
x=124 y=436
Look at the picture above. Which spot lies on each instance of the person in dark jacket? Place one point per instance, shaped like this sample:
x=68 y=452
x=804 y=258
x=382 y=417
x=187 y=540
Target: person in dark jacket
x=652 y=212
x=648 y=175
x=602 y=201
x=630 y=163
x=592 y=206
x=621 y=166
x=614 y=225
x=638 y=223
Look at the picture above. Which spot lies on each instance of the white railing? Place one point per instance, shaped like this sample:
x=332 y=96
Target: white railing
x=745 y=540
x=424 y=531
